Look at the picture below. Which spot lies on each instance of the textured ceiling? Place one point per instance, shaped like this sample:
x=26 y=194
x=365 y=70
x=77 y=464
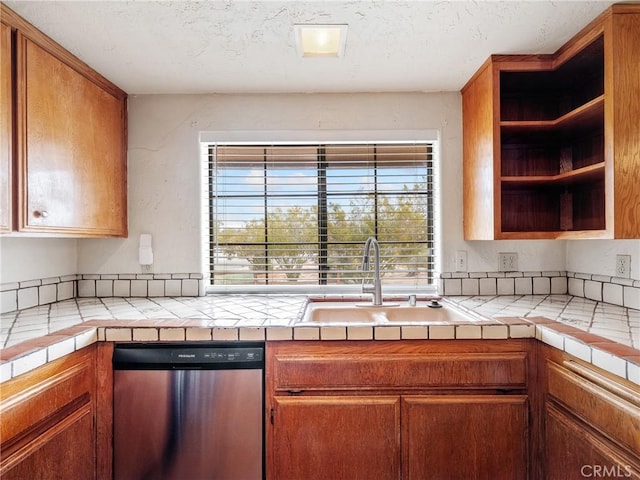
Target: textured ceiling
x=249 y=47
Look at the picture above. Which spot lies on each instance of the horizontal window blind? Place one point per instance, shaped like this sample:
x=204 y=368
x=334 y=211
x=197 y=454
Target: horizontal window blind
x=300 y=214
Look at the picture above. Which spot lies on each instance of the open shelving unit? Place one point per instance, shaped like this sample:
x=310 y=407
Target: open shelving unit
x=550 y=142
x=552 y=145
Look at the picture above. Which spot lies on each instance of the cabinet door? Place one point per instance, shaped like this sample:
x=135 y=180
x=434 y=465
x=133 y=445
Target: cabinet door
x=335 y=437
x=6 y=109
x=71 y=149
x=479 y=194
x=65 y=451
x=470 y=437
x=48 y=427
x=574 y=452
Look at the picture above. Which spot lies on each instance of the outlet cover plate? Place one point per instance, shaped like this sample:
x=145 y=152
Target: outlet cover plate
x=508 y=262
x=623 y=266
x=461 y=261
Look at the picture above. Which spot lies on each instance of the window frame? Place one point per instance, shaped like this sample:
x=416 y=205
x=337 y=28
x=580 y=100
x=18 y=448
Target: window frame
x=335 y=138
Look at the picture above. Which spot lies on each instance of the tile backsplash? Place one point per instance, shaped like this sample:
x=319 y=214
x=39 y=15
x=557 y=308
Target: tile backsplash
x=21 y=295
x=617 y=291
x=502 y=283
x=140 y=285
x=33 y=293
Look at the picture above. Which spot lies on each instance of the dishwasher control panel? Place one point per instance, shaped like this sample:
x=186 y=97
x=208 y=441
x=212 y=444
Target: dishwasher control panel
x=154 y=356
x=217 y=355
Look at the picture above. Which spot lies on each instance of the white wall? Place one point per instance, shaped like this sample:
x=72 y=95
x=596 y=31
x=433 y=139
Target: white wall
x=23 y=259
x=164 y=184
x=164 y=169
x=599 y=256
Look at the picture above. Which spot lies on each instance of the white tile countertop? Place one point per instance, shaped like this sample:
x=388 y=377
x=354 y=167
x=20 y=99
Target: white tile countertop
x=620 y=324
x=31 y=337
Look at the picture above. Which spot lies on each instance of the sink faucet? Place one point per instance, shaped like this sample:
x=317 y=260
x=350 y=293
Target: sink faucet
x=376 y=288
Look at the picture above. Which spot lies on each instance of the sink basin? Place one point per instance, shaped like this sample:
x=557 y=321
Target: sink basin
x=356 y=312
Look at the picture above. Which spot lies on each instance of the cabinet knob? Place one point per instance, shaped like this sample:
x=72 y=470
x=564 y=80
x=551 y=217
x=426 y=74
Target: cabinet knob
x=41 y=213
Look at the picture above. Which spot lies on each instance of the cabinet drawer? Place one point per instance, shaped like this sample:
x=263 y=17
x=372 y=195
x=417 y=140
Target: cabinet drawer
x=34 y=402
x=602 y=403
x=398 y=370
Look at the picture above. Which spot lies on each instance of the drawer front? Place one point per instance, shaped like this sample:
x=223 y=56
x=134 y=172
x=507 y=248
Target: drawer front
x=34 y=402
x=399 y=371
x=609 y=407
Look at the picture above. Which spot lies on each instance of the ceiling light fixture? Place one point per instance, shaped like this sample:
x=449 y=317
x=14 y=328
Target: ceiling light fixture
x=321 y=40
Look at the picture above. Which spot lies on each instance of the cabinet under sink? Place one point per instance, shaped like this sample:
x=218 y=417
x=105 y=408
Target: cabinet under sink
x=391 y=410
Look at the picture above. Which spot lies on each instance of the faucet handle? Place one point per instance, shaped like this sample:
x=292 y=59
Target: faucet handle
x=368 y=288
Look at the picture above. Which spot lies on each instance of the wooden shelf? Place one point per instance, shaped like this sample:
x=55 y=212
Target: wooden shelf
x=584 y=174
x=585 y=116
x=555 y=235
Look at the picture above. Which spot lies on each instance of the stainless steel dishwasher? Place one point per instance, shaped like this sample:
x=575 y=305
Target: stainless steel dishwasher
x=189 y=411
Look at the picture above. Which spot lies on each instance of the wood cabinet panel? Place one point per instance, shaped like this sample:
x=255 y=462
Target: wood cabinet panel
x=573 y=452
x=623 y=69
x=71 y=148
x=404 y=367
x=64 y=451
x=33 y=398
x=470 y=437
x=339 y=372
x=589 y=420
x=335 y=437
x=104 y=410
x=6 y=128
x=63 y=150
x=48 y=427
x=604 y=410
x=479 y=144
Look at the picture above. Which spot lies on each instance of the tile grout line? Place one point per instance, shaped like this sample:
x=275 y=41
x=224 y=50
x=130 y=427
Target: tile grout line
x=49 y=319
x=9 y=330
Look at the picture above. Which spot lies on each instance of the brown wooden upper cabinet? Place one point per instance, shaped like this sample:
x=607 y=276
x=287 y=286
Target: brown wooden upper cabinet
x=550 y=142
x=6 y=116
x=64 y=140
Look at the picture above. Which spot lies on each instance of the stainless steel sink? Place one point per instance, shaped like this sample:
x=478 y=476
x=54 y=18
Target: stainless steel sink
x=325 y=312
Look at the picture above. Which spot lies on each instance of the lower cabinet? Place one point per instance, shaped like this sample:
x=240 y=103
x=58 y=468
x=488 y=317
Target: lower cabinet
x=410 y=410
x=407 y=410
x=575 y=451
x=48 y=428
x=464 y=436
x=322 y=437
x=408 y=437
x=66 y=450
x=591 y=422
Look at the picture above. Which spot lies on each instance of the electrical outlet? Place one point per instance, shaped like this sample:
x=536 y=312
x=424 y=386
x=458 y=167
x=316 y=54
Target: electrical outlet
x=461 y=261
x=507 y=262
x=623 y=266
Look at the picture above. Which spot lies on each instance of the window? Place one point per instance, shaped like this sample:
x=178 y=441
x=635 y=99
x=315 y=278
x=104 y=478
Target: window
x=296 y=216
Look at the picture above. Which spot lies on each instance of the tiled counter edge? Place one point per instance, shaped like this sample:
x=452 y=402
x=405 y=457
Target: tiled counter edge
x=612 y=357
